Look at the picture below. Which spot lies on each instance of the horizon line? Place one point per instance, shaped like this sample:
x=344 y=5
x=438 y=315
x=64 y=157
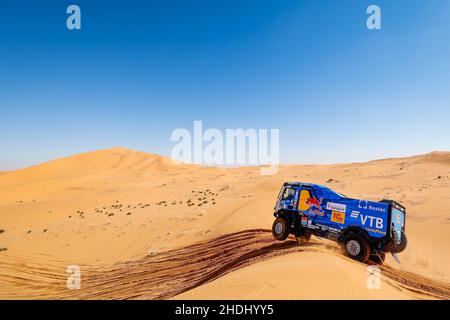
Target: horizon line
x=219 y=166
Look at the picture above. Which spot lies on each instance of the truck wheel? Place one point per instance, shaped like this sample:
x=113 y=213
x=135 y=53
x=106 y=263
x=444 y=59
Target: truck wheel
x=303 y=239
x=378 y=257
x=280 y=229
x=403 y=243
x=357 y=247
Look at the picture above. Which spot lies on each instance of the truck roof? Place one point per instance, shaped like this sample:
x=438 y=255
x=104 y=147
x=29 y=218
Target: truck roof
x=300 y=184
x=329 y=193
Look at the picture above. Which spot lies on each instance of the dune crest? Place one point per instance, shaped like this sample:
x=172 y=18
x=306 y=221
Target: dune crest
x=112 y=160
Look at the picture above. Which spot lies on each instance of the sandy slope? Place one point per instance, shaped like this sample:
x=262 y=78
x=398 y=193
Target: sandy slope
x=308 y=277
x=238 y=265
x=102 y=208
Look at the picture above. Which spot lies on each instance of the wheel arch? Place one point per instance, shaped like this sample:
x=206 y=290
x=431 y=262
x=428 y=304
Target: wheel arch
x=359 y=231
x=286 y=214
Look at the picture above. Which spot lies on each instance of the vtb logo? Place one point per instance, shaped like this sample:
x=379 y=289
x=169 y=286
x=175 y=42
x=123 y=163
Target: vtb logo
x=372 y=221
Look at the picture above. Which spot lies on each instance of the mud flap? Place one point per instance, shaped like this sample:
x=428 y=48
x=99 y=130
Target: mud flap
x=396 y=258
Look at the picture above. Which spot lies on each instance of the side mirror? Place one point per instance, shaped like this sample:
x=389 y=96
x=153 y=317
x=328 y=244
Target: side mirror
x=291 y=204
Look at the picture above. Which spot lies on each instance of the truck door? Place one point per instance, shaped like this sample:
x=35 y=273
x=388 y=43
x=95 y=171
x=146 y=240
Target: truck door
x=303 y=200
x=310 y=206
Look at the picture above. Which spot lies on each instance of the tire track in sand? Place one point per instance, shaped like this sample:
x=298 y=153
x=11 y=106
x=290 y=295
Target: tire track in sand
x=170 y=273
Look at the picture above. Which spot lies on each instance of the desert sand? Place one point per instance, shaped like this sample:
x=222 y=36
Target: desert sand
x=141 y=227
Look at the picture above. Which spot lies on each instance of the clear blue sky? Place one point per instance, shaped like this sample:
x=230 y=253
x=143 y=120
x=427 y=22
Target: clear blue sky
x=139 y=69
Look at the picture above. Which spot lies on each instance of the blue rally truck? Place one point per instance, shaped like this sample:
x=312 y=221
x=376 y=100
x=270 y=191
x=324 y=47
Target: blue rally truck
x=366 y=230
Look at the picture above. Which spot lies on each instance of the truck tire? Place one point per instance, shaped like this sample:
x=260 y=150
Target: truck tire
x=357 y=247
x=378 y=257
x=280 y=229
x=403 y=243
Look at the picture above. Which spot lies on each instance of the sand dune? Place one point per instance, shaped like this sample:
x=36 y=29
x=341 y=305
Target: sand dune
x=245 y=265
x=112 y=208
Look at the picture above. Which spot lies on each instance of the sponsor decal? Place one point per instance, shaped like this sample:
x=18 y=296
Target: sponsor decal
x=315 y=206
x=304 y=221
x=372 y=222
x=334 y=230
x=327 y=228
x=315 y=211
x=336 y=207
x=314 y=203
x=365 y=205
x=362 y=204
x=376 y=231
x=338 y=217
x=354 y=214
x=323 y=227
x=377 y=209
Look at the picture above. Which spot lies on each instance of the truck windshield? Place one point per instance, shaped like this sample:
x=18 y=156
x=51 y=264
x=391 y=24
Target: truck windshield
x=288 y=194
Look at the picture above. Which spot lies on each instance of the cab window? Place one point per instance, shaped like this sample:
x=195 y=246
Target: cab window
x=288 y=194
